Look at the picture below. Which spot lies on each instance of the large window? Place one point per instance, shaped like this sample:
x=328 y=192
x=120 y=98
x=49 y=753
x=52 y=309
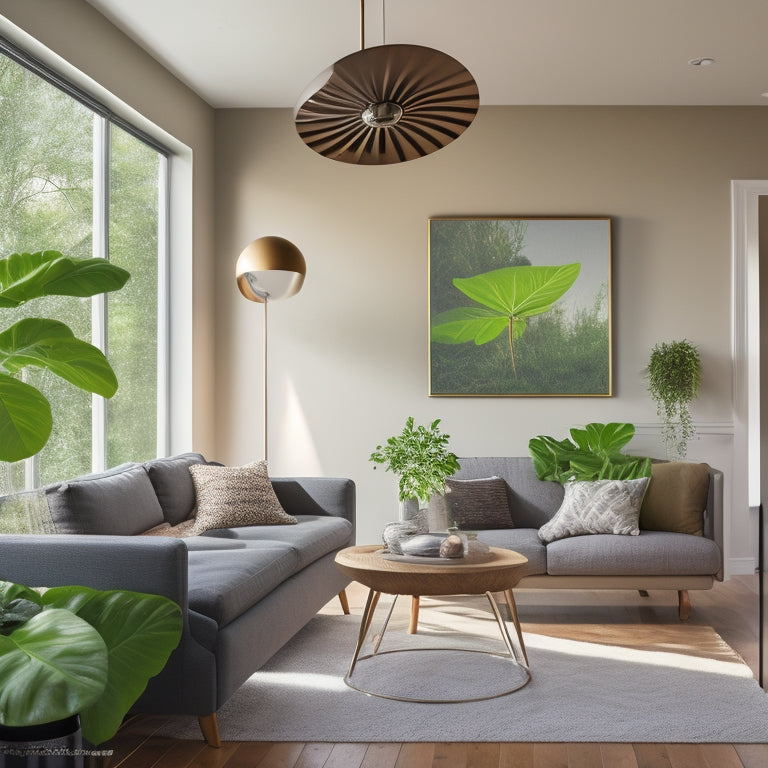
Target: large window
x=76 y=180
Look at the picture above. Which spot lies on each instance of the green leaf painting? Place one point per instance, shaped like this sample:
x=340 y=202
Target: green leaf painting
x=509 y=296
x=520 y=307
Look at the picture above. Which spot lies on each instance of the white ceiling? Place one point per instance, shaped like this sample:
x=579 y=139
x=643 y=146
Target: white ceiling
x=262 y=53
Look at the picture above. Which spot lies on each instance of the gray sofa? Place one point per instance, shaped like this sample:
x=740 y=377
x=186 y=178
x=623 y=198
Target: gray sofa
x=654 y=559
x=243 y=591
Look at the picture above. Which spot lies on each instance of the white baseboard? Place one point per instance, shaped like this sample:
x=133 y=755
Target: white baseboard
x=740 y=566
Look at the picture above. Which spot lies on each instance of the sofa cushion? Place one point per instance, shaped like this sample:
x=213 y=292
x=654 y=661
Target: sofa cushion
x=526 y=541
x=173 y=485
x=313 y=537
x=676 y=498
x=651 y=553
x=223 y=584
x=120 y=501
x=227 y=497
x=478 y=504
x=598 y=506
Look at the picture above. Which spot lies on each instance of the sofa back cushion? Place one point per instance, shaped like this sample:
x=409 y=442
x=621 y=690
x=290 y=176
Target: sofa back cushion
x=173 y=485
x=676 y=498
x=532 y=502
x=120 y=501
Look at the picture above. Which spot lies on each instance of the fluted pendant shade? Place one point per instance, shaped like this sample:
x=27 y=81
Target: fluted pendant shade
x=387 y=104
x=270 y=268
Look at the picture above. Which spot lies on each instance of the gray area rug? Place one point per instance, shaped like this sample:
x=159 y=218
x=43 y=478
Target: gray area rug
x=579 y=691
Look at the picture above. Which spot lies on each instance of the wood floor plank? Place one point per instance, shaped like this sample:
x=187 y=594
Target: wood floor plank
x=450 y=755
x=381 y=756
x=248 y=754
x=517 y=755
x=418 y=755
x=721 y=756
x=346 y=756
x=752 y=755
x=284 y=754
x=213 y=757
x=651 y=755
x=483 y=755
x=183 y=754
x=584 y=755
x=550 y=756
x=314 y=755
x=618 y=756
x=685 y=756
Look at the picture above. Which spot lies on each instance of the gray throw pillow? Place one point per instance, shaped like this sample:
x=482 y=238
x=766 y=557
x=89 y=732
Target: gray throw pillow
x=229 y=497
x=478 y=504
x=599 y=506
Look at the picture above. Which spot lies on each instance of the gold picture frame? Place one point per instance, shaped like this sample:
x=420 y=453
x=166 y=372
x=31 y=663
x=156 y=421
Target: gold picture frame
x=520 y=307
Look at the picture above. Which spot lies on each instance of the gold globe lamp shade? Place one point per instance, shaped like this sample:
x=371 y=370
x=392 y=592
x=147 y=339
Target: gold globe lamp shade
x=269 y=269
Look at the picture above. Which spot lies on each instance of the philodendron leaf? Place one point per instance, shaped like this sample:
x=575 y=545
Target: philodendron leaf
x=140 y=632
x=25 y=419
x=51 y=344
x=16 y=613
x=603 y=437
x=25 y=276
x=519 y=291
x=463 y=324
x=51 y=667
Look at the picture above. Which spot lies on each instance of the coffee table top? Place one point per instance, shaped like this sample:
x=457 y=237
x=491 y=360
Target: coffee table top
x=395 y=577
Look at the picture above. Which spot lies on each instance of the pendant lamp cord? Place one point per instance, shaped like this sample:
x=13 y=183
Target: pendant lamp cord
x=383 y=23
x=362 y=25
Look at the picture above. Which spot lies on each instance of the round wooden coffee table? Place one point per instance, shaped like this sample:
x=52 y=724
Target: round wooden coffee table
x=499 y=572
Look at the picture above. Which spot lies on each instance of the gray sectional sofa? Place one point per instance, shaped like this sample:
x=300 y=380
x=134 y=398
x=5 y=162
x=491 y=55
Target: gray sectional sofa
x=680 y=497
x=243 y=591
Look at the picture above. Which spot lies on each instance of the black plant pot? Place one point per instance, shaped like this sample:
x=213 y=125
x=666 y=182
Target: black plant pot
x=51 y=745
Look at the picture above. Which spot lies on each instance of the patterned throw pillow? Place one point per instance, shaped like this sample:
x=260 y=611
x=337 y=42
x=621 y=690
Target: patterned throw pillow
x=229 y=497
x=599 y=506
x=480 y=504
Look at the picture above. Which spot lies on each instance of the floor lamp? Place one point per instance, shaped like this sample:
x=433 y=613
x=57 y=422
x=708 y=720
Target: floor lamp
x=269 y=269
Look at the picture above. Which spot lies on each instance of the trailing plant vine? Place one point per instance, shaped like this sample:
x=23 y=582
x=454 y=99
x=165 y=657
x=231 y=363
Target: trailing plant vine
x=674 y=377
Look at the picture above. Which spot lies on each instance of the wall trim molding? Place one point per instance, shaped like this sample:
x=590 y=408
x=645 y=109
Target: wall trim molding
x=741 y=566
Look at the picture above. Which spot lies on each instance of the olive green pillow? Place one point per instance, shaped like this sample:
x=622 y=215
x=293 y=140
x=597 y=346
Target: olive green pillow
x=676 y=498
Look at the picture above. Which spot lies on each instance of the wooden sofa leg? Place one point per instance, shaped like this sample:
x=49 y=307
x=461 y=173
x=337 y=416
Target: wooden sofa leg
x=684 y=604
x=343 y=600
x=210 y=728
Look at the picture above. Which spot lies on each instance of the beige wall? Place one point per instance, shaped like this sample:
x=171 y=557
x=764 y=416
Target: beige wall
x=348 y=355
x=138 y=88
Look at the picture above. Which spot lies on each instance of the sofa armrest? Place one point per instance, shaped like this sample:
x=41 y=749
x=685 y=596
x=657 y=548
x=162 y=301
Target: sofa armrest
x=139 y=563
x=334 y=496
x=713 y=512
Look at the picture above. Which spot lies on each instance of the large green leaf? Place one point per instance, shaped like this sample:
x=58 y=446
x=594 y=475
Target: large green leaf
x=140 y=632
x=51 y=344
x=25 y=276
x=463 y=324
x=594 y=454
x=51 y=667
x=520 y=291
x=25 y=419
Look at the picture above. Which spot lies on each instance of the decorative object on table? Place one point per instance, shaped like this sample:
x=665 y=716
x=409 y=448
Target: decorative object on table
x=674 y=377
x=420 y=456
x=74 y=650
x=528 y=313
x=394 y=533
x=594 y=454
x=25 y=414
x=269 y=269
x=386 y=104
x=432 y=545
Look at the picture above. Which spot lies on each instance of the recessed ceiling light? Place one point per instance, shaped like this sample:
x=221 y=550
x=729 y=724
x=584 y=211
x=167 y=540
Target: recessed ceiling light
x=704 y=61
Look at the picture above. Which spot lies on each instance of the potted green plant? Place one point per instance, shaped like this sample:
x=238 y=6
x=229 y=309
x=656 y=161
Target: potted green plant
x=593 y=453
x=674 y=377
x=25 y=414
x=420 y=457
x=73 y=650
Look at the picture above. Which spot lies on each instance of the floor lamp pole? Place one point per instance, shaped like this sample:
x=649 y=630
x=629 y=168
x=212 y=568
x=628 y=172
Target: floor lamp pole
x=266 y=304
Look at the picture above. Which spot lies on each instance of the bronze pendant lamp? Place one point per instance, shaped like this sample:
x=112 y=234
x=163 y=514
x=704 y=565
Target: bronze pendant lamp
x=386 y=104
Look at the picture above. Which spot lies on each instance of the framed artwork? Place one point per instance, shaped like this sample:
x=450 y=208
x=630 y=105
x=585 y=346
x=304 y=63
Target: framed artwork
x=520 y=307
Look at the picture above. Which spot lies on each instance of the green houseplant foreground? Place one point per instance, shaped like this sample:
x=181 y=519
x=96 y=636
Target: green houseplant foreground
x=25 y=414
x=75 y=650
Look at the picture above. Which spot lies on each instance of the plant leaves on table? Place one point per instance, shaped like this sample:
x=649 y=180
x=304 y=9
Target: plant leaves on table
x=140 y=632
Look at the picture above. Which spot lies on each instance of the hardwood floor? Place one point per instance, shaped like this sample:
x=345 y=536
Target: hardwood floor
x=730 y=608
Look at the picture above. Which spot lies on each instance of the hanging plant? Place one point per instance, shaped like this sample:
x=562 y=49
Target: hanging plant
x=674 y=376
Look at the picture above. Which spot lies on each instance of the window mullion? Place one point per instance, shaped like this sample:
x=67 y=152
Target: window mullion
x=99 y=302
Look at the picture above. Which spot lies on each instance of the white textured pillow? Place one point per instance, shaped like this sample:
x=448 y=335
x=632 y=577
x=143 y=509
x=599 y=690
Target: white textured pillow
x=229 y=497
x=599 y=506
